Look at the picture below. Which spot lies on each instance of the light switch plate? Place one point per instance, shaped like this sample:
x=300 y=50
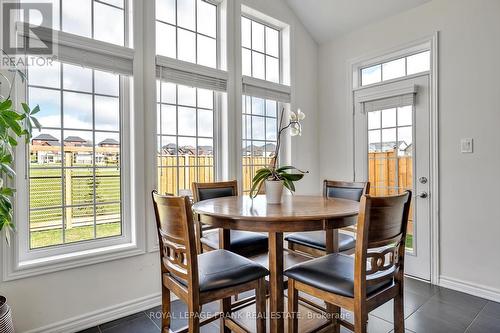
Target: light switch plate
x=466 y=145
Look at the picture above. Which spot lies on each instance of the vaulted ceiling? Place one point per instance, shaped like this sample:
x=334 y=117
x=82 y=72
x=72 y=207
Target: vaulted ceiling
x=327 y=19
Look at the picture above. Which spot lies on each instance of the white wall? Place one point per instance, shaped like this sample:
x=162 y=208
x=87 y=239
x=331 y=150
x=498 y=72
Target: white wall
x=469 y=71
x=70 y=295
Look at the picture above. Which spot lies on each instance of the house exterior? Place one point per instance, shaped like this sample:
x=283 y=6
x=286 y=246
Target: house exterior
x=44 y=156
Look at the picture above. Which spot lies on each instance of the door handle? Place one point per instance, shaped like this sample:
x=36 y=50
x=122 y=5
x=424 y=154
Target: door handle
x=423 y=195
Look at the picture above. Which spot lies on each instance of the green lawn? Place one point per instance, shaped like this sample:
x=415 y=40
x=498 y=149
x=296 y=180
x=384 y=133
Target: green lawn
x=76 y=234
x=409 y=241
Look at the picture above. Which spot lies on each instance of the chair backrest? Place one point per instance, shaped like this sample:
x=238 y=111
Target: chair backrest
x=174 y=222
x=205 y=191
x=345 y=190
x=381 y=237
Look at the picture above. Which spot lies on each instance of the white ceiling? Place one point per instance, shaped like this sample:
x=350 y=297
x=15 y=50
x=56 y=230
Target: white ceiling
x=327 y=19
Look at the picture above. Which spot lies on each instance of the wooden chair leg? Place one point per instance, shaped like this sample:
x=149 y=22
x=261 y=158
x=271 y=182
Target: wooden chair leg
x=226 y=311
x=360 y=322
x=165 y=309
x=333 y=311
x=260 y=305
x=293 y=307
x=399 y=317
x=194 y=318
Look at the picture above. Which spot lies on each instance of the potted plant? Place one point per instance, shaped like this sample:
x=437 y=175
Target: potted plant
x=274 y=177
x=14 y=125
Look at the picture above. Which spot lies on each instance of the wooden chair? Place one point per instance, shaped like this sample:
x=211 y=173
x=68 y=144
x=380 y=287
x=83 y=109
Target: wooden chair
x=245 y=243
x=200 y=279
x=313 y=242
x=360 y=284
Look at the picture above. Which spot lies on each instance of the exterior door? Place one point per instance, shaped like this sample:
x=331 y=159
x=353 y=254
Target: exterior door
x=392 y=152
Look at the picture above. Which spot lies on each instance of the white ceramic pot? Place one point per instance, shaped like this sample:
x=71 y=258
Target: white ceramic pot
x=274 y=191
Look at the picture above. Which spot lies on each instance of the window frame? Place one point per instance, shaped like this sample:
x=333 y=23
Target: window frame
x=140 y=177
x=19 y=260
x=218 y=44
x=278 y=90
x=215 y=136
x=270 y=25
x=380 y=61
x=251 y=140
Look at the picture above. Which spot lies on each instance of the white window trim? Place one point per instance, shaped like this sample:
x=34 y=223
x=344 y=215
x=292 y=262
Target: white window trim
x=18 y=260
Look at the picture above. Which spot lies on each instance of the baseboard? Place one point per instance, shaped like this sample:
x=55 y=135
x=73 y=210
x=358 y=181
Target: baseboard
x=475 y=289
x=101 y=316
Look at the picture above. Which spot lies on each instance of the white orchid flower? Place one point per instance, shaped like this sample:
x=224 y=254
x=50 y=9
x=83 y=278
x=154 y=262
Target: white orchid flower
x=293 y=116
x=295 y=129
x=300 y=115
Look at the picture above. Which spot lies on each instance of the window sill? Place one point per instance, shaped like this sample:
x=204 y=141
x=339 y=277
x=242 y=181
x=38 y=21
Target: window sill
x=13 y=270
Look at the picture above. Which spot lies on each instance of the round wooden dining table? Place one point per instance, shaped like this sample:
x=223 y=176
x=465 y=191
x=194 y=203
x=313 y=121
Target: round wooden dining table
x=295 y=214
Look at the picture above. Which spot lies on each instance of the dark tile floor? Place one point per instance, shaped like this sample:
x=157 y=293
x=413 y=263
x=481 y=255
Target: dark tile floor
x=428 y=309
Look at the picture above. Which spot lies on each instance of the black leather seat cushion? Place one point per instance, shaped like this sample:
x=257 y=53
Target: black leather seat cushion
x=344 y=193
x=211 y=193
x=333 y=273
x=316 y=240
x=221 y=269
x=242 y=242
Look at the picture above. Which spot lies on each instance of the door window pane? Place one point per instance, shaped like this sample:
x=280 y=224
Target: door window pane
x=390 y=151
x=393 y=69
x=371 y=75
x=420 y=62
x=389 y=70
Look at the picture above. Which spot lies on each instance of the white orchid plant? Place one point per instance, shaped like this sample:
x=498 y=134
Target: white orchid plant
x=273 y=172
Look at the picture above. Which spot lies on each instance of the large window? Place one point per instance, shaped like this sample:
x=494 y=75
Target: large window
x=187 y=30
x=74 y=167
x=413 y=64
x=102 y=20
x=185 y=121
x=260 y=50
x=259 y=136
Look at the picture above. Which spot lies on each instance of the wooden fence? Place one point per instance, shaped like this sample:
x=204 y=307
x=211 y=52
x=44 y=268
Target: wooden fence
x=390 y=174
x=201 y=169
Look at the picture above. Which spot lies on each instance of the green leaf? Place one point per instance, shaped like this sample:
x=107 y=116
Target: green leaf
x=292 y=176
x=7 y=104
x=35 y=110
x=36 y=122
x=26 y=108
